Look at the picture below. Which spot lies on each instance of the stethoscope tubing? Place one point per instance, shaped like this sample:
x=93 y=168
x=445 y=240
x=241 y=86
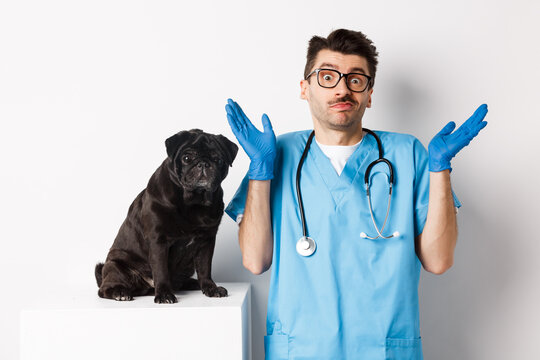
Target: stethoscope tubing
x=298 y=191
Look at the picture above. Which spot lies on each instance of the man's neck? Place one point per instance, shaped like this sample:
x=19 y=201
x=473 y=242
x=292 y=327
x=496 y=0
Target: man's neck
x=338 y=137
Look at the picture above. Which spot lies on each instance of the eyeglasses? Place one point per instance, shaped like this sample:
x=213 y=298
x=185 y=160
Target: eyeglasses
x=329 y=78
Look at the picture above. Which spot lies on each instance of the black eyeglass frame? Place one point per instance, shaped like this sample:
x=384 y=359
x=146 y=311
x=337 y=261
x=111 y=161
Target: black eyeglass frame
x=346 y=76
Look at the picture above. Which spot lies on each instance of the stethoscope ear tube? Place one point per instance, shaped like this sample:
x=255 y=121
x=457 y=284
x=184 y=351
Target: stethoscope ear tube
x=379 y=232
x=381 y=159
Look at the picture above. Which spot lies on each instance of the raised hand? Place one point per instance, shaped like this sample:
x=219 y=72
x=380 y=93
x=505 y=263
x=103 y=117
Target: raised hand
x=259 y=146
x=446 y=144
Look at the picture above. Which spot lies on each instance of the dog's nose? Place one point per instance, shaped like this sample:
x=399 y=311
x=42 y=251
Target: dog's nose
x=203 y=164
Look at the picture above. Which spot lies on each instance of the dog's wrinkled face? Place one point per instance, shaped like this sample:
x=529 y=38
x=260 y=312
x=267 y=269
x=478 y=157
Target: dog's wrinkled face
x=200 y=161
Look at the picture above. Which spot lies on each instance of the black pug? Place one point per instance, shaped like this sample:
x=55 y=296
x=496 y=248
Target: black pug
x=170 y=229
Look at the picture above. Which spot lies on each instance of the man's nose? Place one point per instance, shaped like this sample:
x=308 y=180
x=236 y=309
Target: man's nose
x=341 y=87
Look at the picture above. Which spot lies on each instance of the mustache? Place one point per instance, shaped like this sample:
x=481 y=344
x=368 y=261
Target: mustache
x=344 y=99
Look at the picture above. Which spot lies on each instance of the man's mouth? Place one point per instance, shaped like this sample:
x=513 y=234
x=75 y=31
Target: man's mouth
x=342 y=106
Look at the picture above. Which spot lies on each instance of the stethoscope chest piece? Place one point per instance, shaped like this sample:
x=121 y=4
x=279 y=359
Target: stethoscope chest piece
x=305 y=246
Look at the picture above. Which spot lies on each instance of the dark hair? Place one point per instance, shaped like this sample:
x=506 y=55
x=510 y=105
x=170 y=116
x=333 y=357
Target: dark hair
x=346 y=42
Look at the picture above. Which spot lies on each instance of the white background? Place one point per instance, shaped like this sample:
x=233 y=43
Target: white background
x=89 y=91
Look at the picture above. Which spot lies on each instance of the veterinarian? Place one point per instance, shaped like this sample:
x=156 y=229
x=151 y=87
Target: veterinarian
x=345 y=261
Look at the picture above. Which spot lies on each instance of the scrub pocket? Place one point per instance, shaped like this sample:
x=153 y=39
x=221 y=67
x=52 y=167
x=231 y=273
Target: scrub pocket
x=403 y=349
x=276 y=347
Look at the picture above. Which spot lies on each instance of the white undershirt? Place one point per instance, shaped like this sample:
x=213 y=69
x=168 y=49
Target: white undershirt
x=338 y=154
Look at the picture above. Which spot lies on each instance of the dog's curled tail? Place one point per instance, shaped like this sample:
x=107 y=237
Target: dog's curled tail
x=98 y=269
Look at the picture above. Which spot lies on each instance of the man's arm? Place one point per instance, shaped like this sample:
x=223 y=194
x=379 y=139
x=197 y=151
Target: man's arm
x=255 y=232
x=435 y=245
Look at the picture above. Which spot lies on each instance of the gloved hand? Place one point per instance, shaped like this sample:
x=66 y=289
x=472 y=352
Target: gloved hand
x=445 y=145
x=259 y=146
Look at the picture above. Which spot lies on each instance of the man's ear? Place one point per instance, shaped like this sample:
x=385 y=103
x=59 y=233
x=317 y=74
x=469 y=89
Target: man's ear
x=303 y=89
x=369 y=101
x=174 y=142
x=227 y=147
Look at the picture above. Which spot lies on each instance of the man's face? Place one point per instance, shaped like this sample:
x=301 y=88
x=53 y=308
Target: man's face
x=327 y=104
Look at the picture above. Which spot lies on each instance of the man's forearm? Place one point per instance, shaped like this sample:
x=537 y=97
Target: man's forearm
x=255 y=233
x=438 y=240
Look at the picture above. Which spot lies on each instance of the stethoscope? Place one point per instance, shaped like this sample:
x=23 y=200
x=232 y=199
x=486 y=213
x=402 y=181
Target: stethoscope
x=306 y=246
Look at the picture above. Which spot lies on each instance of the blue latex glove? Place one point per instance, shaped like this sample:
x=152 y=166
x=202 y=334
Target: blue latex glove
x=445 y=145
x=259 y=146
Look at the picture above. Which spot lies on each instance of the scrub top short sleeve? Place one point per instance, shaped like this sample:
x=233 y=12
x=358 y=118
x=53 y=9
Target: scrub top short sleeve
x=235 y=209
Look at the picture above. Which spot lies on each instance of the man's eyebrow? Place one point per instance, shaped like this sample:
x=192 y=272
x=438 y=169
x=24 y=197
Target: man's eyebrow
x=331 y=66
x=327 y=65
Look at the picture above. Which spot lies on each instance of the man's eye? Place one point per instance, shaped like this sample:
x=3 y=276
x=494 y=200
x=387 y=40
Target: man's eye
x=327 y=77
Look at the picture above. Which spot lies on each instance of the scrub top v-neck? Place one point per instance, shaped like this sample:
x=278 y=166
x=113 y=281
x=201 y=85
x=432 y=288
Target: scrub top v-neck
x=338 y=154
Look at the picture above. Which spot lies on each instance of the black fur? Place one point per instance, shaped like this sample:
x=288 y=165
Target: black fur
x=170 y=229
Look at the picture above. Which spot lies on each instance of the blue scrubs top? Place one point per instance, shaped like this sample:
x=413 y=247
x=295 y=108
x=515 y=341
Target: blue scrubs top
x=354 y=298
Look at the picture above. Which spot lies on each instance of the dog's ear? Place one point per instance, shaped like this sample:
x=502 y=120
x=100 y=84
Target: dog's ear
x=174 y=142
x=227 y=147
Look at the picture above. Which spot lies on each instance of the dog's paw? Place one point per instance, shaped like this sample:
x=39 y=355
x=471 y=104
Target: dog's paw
x=214 y=291
x=165 y=298
x=119 y=293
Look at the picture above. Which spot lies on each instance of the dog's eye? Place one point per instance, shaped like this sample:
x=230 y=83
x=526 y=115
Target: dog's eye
x=186 y=158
